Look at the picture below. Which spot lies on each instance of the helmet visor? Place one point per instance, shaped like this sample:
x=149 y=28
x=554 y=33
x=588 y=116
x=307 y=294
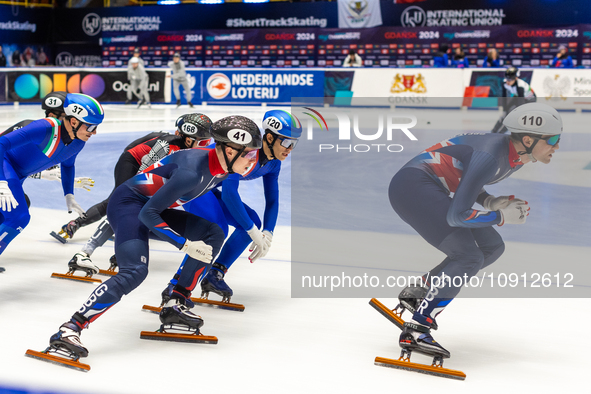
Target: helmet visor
x=288 y=142
x=553 y=140
x=201 y=143
x=250 y=155
x=90 y=127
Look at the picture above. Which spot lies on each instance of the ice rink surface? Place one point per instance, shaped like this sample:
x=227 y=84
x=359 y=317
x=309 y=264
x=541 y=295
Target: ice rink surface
x=279 y=344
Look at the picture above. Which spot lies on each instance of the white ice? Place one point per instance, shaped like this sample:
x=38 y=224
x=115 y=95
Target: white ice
x=279 y=344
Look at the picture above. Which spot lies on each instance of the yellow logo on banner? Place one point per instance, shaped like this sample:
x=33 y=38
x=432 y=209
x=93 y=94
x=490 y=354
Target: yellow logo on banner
x=557 y=87
x=408 y=83
x=357 y=7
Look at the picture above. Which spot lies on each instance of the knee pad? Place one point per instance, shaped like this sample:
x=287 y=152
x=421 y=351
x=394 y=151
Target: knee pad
x=471 y=263
x=132 y=258
x=132 y=278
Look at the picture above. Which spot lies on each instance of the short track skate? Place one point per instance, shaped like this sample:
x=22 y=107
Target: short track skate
x=62 y=236
x=152 y=309
x=59 y=356
x=223 y=304
x=178 y=333
x=403 y=362
x=70 y=276
x=202 y=301
x=179 y=324
x=112 y=270
x=80 y=262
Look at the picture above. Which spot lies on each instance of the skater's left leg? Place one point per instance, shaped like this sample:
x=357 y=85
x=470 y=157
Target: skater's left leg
x=489 y=241
x=491 y=244
x=131 y=248
x=144 y=90
x=188 y=95
x=175 y=89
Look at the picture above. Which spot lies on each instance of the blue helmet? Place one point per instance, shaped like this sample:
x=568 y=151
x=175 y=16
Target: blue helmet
x=282 y=123
x=84 y=108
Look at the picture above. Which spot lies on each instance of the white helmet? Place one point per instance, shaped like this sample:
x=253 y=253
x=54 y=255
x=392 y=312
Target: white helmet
x=534 y=118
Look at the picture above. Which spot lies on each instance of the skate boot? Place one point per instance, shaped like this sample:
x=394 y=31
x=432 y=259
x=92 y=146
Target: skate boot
x=113 y=262
x=190 y=104
x=176 y=315
x=417 y=337
x=410 y=298
x=178 y=103
x=68 y=340
x=139 y=103
x=81 y=262
x=167 y=294
x=2 y=269
x=71 y=227
x=214 y=281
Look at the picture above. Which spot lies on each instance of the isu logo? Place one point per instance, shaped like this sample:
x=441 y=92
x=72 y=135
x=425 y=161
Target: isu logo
x=91 y=24
x=413 y=16
x=408 y=83
x=556 y=87
x=218 y=86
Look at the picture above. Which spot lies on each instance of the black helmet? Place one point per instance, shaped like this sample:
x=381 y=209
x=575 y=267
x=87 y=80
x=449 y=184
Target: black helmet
x=511 y=73
x=238 y=130
x=195 y=126
x=54 y=102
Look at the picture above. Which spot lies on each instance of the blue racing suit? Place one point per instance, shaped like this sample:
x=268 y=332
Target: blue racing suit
x=27 y=150
x=142 y=205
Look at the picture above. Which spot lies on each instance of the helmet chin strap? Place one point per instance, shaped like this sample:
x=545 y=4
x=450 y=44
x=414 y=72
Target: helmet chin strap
x=270 y=144
x=191 y=145
x=528 y=150
x=75 y=129
x=230 y=164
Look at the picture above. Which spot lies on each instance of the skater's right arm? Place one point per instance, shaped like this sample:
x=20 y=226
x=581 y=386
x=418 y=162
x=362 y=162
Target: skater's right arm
x=231 y=198
x=159 y=151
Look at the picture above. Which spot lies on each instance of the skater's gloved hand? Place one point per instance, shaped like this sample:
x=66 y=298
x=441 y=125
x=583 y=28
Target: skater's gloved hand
x=73 y=205
x=83 y=183
x=260 y=243
x=50 y=174
x=492 y=203
x=7 y=200
x=515 y=213
x=198 y=250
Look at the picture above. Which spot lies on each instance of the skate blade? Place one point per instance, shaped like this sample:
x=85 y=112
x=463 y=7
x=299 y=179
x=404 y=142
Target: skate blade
x=421 y=368
x=171 y=337
x=64 y=362
x=58 y=237
x=76 y=278
x=218 y=304
x=108 y=272
x=151 y=309
x=387 y=313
